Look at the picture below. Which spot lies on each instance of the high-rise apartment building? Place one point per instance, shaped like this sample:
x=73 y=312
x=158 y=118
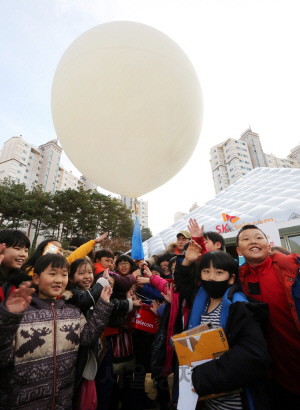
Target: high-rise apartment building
x=141 y=209
x=232 y=159
x=29 y=165
x=295 y=154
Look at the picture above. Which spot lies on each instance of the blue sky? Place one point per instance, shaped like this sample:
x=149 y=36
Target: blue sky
x=246 y=54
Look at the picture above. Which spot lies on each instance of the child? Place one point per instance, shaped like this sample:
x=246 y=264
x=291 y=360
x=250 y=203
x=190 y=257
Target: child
x=14 y=252
x=209 y=241
x=246 y=362
x=274 y=279
x=104 y=259
x=40 y=338
x=163 y=262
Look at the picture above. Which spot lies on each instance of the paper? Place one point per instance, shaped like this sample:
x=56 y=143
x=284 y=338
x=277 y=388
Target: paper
x=187 y=398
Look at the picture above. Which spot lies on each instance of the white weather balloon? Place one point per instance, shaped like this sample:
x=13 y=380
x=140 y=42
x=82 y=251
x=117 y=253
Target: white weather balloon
x=127 y=107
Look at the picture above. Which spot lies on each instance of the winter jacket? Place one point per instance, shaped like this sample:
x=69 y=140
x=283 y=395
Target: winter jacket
x=287 y=269
x=38 y=352
x=246 y=363
x=276 y=281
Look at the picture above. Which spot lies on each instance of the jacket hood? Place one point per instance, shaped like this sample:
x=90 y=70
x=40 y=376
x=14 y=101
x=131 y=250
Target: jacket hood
x=171 y=247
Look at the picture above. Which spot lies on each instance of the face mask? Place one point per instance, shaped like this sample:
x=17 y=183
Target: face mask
x=215 y=290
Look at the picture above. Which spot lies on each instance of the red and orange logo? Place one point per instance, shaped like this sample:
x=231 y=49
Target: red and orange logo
x=228 y=218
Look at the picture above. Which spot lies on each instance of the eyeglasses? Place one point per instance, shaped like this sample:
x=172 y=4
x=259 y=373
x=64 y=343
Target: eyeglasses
x=124 y=263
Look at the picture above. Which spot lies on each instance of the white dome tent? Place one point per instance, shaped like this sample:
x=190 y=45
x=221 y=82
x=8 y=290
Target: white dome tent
x=263 y=195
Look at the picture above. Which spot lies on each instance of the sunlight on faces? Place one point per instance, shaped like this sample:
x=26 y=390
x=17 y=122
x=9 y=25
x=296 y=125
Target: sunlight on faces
x=84 y=276
x=14 y=257
x=216 y=275
x=51 y=282
x=254 y=246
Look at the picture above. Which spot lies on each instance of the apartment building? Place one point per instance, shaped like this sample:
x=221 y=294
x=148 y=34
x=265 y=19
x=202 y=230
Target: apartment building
x=232 y=159
x=31 y=165
x=141 y=208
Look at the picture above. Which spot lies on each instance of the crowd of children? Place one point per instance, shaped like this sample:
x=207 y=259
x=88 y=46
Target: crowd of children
x=65 y=341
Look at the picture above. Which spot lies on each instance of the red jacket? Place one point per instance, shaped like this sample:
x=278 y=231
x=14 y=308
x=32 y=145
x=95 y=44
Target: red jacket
x=286 y=268
x=277 y=282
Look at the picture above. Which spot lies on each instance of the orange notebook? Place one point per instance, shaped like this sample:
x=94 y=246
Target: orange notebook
x=200 y=343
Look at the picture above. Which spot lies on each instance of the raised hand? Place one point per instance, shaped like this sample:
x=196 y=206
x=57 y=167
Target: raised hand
x=168 y=295
x=106 y=293
x=105 y=274
x=101 y=238
x=19 y=300
x=2 y=247
x=195 y=229
x=192 y=253
x=147 y=271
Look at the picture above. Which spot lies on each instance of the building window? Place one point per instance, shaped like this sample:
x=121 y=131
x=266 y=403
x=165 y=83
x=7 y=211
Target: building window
x=17 y=179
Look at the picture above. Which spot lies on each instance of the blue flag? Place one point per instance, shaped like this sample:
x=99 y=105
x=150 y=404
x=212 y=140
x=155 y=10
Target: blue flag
x=137 y=251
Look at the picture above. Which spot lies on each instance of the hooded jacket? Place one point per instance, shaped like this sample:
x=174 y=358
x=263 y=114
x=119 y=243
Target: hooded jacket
x=38 y=352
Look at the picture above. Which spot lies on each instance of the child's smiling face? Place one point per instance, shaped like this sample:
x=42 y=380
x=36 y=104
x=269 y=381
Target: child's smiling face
x=254 y=246
x=84 y=276
x=51 y=282
x=14 y=257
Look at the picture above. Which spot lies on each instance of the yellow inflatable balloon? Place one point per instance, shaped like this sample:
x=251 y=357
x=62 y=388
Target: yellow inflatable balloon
x=127 y=107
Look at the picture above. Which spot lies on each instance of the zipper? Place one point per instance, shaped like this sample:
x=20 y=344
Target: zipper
x=54 y=358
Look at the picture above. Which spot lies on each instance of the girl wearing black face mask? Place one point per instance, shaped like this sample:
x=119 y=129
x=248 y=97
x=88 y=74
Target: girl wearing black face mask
x=242 y=370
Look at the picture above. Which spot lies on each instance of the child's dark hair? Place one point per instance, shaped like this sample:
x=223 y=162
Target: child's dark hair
x=13 y=238
x=215 y=237
x=166 y=257
x=30 y=263
x=104 y=253
x=125 y=258
x=245 y=228
x=219 y=260
x=158 y=269
x=51 y=259
x=76 y=264
x=118 y=253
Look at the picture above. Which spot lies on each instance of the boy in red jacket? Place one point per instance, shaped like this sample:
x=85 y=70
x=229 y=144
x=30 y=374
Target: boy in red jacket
x=274 y=279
